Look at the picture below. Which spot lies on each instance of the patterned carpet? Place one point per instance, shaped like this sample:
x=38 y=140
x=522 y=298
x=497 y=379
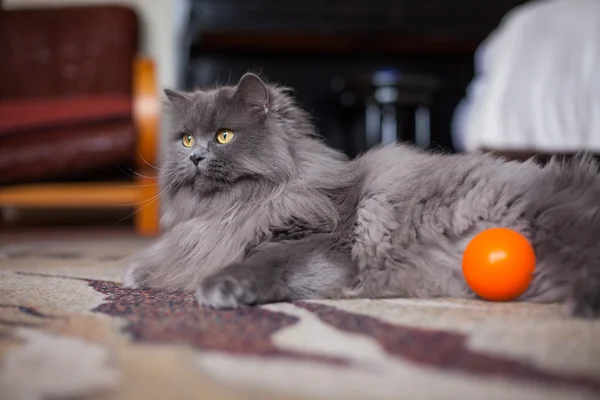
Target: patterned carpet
x=68 y=330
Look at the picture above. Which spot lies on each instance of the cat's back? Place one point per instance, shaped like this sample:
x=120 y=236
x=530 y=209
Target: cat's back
x=403 y=172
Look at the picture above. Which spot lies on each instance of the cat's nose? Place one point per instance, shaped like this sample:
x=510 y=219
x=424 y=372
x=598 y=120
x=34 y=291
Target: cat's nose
x=197 y=156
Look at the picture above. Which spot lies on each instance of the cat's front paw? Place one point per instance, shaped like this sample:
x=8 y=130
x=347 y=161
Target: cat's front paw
x=583 y=300
x=135 y=275
x=225 y=291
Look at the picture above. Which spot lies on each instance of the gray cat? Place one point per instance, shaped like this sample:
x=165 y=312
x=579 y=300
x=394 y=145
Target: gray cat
x=257 y=209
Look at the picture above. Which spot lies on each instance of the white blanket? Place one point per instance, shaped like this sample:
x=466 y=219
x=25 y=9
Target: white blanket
x=537 y=82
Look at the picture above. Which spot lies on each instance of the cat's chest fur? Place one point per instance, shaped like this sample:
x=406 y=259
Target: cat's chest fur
x=247 y=221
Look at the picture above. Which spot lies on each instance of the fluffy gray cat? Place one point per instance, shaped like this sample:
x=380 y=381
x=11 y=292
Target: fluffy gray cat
x=257 y=209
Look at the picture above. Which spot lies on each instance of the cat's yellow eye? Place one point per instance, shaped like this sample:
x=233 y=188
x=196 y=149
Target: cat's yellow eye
x=187 y=140
x=224 y=136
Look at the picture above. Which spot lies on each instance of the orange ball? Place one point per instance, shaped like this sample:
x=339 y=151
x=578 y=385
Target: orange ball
x=498 y=264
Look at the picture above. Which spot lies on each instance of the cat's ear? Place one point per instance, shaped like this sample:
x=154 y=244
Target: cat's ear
x=178 y=98
x=253 y=92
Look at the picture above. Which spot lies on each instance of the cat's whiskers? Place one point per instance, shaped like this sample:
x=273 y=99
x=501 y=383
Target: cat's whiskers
x=135 y=186
x=132 y=174
x=150 y=202
x=152 y=199
x=147 y=163
x=138 y=186
x=141 y=175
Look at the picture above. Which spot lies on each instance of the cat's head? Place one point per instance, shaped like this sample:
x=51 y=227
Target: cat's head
x=230 y=134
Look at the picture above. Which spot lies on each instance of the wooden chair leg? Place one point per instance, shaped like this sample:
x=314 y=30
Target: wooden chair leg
x=148 y=210
x=146 y=117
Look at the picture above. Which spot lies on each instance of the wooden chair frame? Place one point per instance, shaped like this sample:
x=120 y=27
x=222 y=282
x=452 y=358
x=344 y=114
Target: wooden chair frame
x=142 y=194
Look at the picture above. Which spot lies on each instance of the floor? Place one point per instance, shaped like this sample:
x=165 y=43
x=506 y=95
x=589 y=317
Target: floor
x=64 y=313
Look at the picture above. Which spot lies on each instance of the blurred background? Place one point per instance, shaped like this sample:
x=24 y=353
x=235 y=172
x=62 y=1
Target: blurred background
x=81 y=84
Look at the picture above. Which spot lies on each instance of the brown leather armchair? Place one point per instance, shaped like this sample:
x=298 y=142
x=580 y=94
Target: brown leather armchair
x=75 y=97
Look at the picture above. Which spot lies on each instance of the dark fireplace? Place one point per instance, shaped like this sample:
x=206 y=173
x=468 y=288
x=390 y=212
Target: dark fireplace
x=369 y=71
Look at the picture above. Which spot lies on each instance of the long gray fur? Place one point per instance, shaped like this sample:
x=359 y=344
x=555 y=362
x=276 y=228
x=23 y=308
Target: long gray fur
x=276 y=215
